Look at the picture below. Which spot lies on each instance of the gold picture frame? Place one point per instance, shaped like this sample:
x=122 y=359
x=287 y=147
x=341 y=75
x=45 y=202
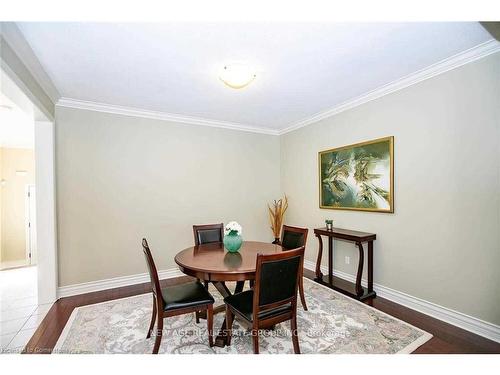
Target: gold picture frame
x=358 y=177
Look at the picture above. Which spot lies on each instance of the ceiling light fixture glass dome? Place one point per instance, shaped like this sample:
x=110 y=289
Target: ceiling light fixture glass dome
x=237 y=75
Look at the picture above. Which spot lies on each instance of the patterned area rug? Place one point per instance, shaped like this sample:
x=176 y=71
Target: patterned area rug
x=333 y=324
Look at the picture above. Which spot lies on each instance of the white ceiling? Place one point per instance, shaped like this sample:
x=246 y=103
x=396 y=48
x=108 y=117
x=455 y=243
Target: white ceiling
x=17 y=126
x=302 y=69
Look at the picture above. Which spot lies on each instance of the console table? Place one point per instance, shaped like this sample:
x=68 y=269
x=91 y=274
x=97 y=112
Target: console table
x=357 y=238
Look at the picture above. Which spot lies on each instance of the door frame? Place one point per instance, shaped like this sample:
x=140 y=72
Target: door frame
x=46 y=211
x=30 y=223
x=28 y=81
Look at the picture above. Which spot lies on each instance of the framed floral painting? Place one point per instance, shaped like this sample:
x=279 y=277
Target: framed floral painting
x=358 y=177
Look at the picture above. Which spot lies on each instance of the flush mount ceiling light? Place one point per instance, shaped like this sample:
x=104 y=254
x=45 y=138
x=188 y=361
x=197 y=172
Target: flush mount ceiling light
x=237 y=75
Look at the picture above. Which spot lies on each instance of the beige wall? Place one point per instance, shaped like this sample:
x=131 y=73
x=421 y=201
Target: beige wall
x=442 y=244
x=121 y=178
x=13 y=199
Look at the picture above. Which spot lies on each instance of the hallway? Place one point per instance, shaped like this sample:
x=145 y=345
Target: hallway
x=20 y=313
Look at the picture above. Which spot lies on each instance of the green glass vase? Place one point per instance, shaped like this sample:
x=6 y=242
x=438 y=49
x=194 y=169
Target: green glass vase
x=232 y=242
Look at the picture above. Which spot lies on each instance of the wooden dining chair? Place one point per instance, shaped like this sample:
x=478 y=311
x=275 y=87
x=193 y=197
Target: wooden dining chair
x=272 y=300
x=175 y=300
x=292 y=238
x=207 y=233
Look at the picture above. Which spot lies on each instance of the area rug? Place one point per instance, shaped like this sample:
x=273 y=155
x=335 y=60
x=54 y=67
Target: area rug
x=333 y=324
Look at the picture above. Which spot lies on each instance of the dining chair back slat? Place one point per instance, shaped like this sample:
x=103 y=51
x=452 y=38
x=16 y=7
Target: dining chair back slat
x=153 y=273
x=278 y=279
x=184 y=298
x=208 y=233
x=273 y=299
x=293 y=237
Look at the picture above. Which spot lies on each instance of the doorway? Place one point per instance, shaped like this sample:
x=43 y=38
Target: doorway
x=28 y=279
x=17 y=176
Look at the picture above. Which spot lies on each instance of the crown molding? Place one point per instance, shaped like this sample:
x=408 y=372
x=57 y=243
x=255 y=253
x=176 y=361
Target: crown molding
x=455 y=61
x=460 y=59
x=164 y=116
x=15 y=38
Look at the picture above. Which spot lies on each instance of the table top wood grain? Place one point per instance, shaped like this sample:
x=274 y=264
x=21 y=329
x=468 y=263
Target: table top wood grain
x=212 y=262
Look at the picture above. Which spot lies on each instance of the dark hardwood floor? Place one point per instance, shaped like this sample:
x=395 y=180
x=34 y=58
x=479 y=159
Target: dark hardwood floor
x=447 y=339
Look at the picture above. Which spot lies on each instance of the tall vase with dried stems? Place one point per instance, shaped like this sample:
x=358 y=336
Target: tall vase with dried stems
x=276 y=216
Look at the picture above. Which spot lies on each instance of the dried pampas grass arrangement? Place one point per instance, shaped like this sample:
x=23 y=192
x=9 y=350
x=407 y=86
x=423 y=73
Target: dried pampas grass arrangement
x=276 y=215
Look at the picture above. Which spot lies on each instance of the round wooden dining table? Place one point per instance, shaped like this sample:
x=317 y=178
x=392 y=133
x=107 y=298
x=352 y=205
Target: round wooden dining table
x=212 y=263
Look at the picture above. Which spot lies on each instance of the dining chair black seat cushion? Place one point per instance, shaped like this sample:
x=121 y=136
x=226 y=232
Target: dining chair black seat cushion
x=185 y=295
x=292 y=240
x=243 y=303
x=209 y=236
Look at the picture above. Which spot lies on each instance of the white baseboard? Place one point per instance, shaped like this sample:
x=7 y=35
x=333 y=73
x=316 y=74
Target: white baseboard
x=456 y=318
x=469 y=323
x=116 y=282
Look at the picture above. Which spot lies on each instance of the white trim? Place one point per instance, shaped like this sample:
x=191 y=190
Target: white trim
x=116 y=282
x=164 y=116
x=462 y=58
x=456 y=318
x=45 y=212
x=37 y=103
x=469 y=323
x=23 y=50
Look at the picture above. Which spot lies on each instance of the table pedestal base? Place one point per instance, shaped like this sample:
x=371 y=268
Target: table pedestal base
x=221 y=339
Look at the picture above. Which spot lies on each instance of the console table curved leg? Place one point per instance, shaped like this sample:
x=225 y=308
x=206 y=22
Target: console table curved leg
x=359 y=288
x=370 y=266
x=330 y=260
x=319 y=275
x=353 y=237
